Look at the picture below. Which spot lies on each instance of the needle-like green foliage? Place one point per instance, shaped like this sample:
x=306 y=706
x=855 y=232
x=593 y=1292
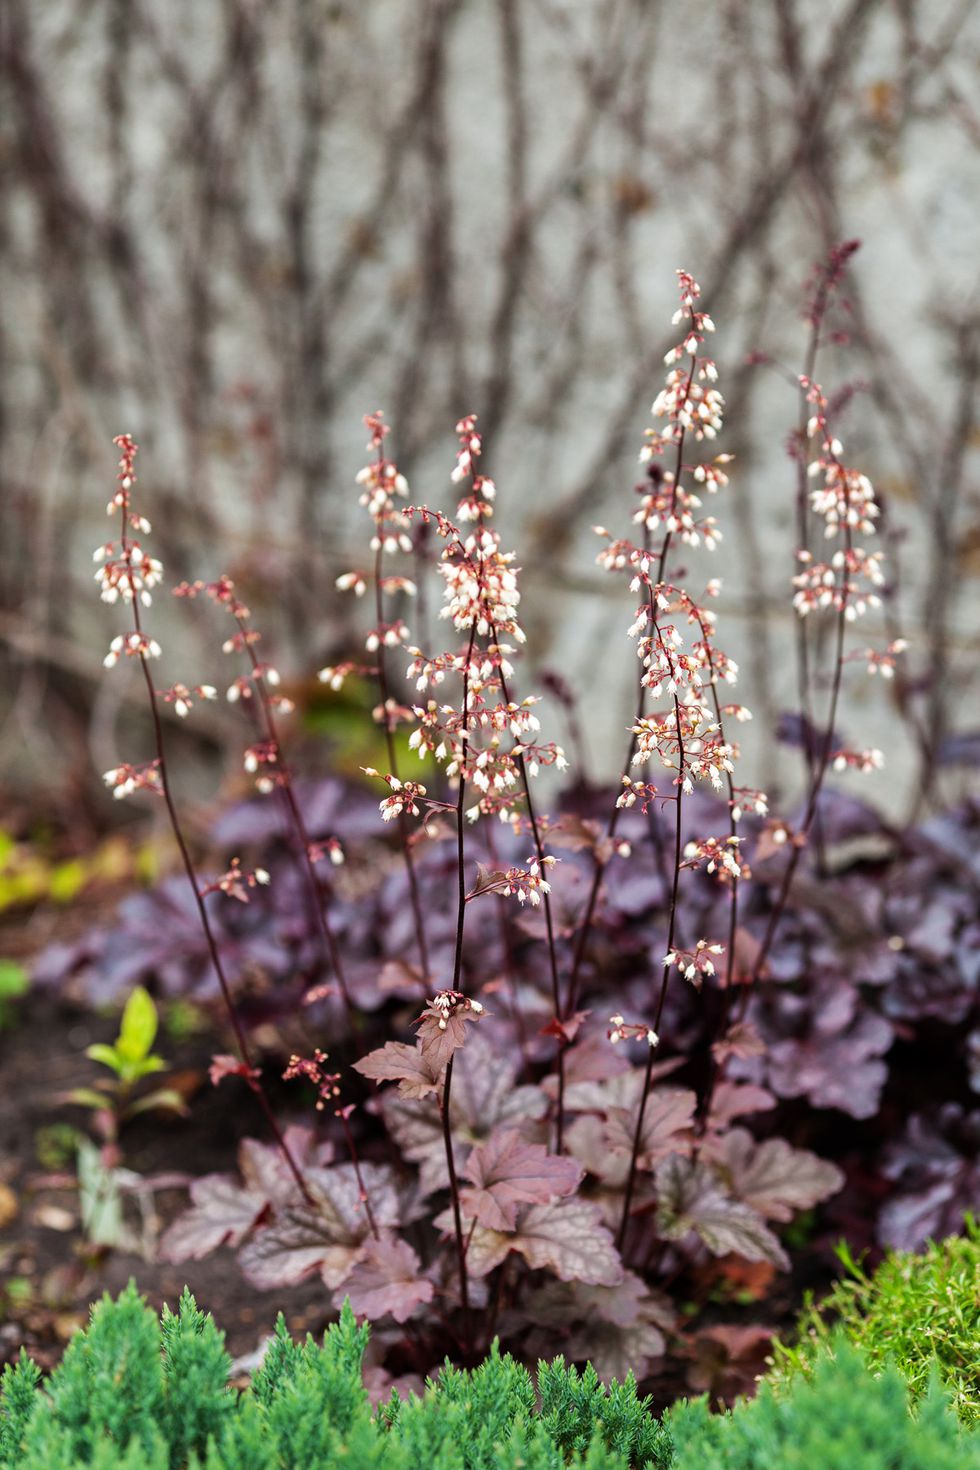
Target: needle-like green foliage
x=135 y=1393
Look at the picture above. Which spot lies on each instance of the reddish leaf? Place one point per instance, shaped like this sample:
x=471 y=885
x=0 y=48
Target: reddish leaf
x=619 y=1090
x=442 y=1026
x=735 y=1279
x=328 y=1236
x=691 y=1197
x=667 y=1120
x=223 y=1210
x=506 y=1172
x=747 y=951
x=484 y=1095
x=565 y=1236
x=729 y=1359
x=733 y=1100
x=576 y=834
x=590 y=1060
x=407 y=1065
x=568 y=1029
x=399 y=978
x=741 y=1040
x=264 y=1170
x=587 y=1142
x=221 y=1213
x=387 y=1281
x=223 y=1065
x=619 y=1329
x=772 y=1177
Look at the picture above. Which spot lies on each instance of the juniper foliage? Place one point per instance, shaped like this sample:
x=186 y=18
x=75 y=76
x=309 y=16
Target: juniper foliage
x=134 y=1393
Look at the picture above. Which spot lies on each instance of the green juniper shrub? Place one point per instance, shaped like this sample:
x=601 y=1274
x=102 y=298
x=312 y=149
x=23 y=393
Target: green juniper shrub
x=575 y=1407
x=922 y=1312
x=841 y=1417
x=133 y=1393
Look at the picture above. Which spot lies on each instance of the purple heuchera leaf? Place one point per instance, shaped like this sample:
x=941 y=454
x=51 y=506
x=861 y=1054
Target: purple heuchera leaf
x=484 y=1095
x=328 y=1236
x=691 y=1197
x=771 y=1177
x=667 y=1121
x=619 y=1329
x=387 y=1281
x=507 y=1172
x=823 y=1045
x=397 y=1062
x=937 y=1166
x=223 y=1211
x=442 y=1026
x=565 y=1236
x=733 y=1100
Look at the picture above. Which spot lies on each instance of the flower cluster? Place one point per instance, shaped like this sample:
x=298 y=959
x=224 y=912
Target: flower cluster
x=880 y=661
x=487 y=741
x=448 y=1005
x=620 y=1030
x=314 y=1069
x=125 y=571
x=636 y=791
x=125 y=779
x=846 y=499
x=384 y=486
x=847 y=584
x=844 y=583
x=527 y=885
x=694 y=964
x=261 y=760
x=857 y=760
x=719 y=857
x=133 y=645
x=262 y=678
x=182 y=698
x=686 y=739
x=405 y=795
x=237 y=881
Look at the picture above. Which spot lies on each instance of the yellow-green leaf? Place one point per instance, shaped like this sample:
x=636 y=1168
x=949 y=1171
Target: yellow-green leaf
x=138 y=1027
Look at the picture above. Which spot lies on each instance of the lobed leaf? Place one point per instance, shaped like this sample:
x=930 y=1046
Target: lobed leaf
x=507 y=1172
x=387 y=1280
x=691 y=1197
x=416 y=1075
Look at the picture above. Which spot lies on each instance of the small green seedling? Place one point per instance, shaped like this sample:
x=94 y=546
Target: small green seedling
x=14 y=983
x=130 y=1059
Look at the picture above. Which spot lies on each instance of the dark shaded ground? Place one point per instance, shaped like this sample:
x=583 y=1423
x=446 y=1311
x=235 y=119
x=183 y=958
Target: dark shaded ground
x=48 y=1277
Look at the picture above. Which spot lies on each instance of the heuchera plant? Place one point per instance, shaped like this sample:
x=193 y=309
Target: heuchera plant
x=515 y=1167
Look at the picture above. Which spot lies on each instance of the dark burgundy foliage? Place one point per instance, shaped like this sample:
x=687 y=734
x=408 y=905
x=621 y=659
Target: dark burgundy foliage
x=867 y=1013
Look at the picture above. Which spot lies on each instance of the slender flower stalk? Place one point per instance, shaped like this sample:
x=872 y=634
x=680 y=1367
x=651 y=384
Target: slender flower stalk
x=126 y=573
x=827 y=278
x=687 y=742
x=327 y=1084
x=383 y=485
x=691 y=405
x=268 y=759
x=847 y=586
